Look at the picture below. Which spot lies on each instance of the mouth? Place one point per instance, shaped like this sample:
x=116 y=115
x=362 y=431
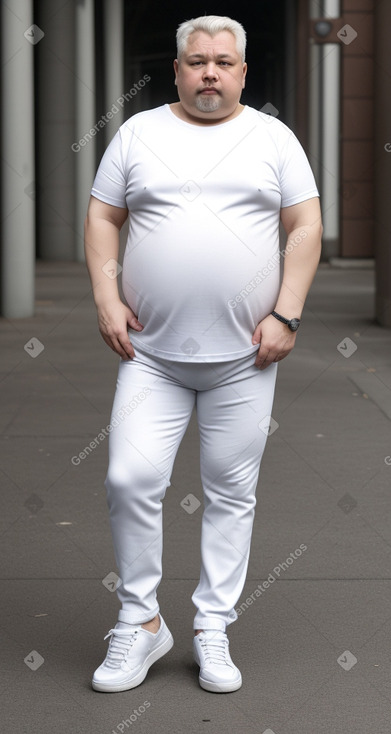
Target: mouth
x=209 y=90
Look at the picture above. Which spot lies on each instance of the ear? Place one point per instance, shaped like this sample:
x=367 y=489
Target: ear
x=176 y=67
x=244 y=75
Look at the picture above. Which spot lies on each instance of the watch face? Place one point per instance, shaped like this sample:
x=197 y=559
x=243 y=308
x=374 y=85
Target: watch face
x=294 y=324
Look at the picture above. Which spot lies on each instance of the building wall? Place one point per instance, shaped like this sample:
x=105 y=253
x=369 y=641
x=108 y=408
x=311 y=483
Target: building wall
x=356 y=184
x=357 y=128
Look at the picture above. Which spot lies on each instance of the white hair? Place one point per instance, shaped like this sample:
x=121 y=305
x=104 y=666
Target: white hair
x=211 y=24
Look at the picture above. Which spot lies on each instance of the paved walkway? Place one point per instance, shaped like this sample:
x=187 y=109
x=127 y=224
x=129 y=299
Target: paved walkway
x=313 y=639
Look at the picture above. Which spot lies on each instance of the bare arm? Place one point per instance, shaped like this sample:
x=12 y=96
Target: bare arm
x=101 y=243
x=302 y=222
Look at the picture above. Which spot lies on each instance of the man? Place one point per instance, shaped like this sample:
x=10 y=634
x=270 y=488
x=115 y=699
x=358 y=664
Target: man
x=205 y=181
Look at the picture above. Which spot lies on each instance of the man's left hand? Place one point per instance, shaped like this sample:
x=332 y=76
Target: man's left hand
x=275 y=340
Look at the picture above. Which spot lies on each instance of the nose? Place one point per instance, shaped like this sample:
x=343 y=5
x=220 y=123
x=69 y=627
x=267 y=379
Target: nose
x=210 y=71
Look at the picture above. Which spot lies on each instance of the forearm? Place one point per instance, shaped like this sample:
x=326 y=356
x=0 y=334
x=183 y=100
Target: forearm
x=301 y=259
x=101 y=244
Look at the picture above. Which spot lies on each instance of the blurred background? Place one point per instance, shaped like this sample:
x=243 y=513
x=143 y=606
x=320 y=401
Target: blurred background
x=72 y=72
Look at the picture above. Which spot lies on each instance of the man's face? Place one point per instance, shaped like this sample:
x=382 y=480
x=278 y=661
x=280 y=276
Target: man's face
x=210 y=76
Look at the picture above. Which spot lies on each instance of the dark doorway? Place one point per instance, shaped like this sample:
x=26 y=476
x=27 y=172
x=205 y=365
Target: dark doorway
x=150 y=48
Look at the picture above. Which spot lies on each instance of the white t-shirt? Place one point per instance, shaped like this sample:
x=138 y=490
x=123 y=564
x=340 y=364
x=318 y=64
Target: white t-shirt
x=201 y=266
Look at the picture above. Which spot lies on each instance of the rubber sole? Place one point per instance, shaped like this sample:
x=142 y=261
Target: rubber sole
x=207 y=685
x=153 y=656
x=212 y=687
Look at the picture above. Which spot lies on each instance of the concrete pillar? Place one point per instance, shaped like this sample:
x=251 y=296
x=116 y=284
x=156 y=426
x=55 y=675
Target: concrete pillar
x=324 y=125
x=86 y=124
x=330 y=173
x=331 y=116
x=113 y=25
x=383 y=162
x=17 y=165
x=55 y=82
x=314 y=112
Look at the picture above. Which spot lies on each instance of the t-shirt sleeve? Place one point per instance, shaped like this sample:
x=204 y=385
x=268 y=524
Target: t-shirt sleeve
x=296 y=178
x=110 y=180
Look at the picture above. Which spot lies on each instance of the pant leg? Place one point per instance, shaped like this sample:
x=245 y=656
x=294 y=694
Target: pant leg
x=142 y=448
x=232 y=445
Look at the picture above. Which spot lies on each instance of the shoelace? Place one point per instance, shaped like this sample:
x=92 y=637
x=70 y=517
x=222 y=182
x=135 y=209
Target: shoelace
x=121 y=641
x=215 y=650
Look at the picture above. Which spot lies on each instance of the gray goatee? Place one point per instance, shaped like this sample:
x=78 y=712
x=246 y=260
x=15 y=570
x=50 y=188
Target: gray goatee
x=206 y=103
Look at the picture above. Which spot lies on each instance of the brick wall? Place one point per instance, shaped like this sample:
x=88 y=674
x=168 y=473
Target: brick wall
x=356 y=183
x=357 y=132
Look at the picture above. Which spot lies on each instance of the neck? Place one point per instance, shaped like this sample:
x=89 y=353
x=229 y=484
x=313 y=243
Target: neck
x=178 y=110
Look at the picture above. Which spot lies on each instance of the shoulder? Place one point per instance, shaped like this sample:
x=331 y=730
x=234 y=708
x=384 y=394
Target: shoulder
x=283 y=145
x=147 y=118
x=270 y=124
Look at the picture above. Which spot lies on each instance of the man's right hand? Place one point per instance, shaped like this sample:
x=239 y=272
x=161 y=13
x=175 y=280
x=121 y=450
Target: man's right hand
x=113 y=320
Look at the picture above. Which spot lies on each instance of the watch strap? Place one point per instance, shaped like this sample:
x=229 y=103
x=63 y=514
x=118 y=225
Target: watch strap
x=280 y=318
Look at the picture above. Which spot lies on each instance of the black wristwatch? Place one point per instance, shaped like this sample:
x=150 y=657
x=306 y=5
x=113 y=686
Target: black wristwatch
x=293 y=324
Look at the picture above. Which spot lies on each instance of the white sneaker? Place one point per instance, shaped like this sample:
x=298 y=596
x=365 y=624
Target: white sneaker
x=217 y=671
x=131 y=653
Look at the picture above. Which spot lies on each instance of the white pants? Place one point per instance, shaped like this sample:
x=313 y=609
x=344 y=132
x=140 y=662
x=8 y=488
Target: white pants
x=152 y=407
